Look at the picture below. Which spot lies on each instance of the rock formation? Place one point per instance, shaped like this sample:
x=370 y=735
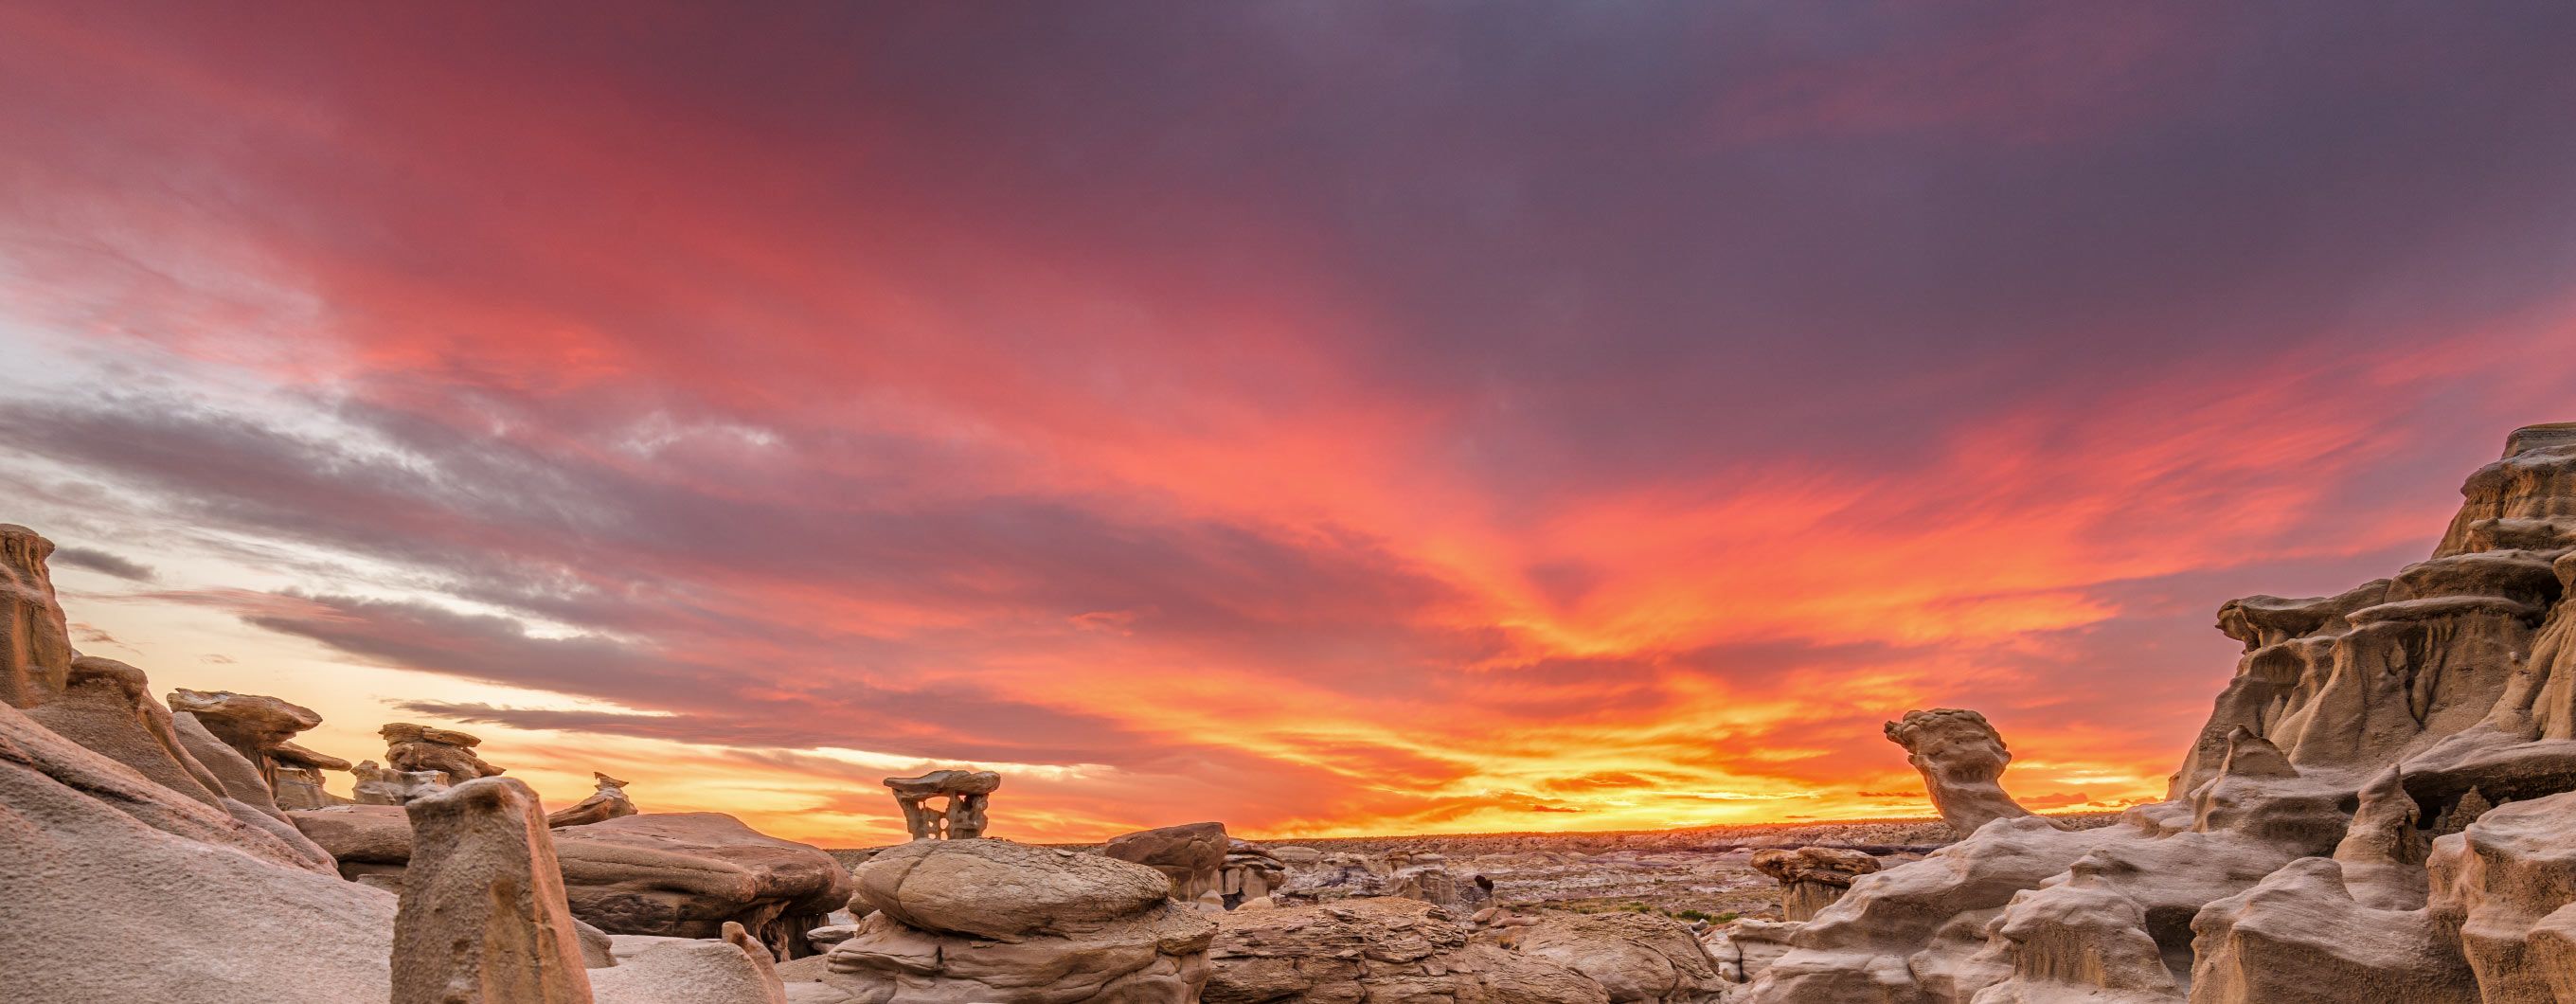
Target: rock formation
x=1425 y=877
x=380 y=786
x=685 y=874
x=965 y=795
x=1381 y=951
x=2375 y=811
x=35 y=643
x=669 y=874
x=1962 y=760
x=261 y=729
x=1192 y=855
x=1812 y=878
x=609 y=802
x=107 y=706
x=208 y=909
x=411 y=748
x=1635 y=957
x=993 y=921
x=482 y=916
x=1250 y=873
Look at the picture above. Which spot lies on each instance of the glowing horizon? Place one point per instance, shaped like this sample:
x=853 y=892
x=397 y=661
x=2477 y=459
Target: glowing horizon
x=1331 y=420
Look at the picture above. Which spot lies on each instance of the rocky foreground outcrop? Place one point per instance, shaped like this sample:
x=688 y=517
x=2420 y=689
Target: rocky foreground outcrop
x=982 y=920
x=664 y=874
x=2377 y=810
x=1380 y=951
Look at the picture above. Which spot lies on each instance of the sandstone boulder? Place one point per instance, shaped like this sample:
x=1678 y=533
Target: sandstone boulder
x=1378 y=951
x=35 y=642
x=1637 y=957
x=410 y=748
x=108 y=707
x=482 y=918
x=1192 y=855
x=116 y=889
x=262 y=730
x=1962 y=761
x=609 y=802
x=1812 y=878
x=968 y=921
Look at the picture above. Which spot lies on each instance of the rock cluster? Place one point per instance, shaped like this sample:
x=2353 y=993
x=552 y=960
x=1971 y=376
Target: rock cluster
x=1381 y=951
x=2378 y=809
x=965 y=796
x=679 y=875
x=416 y=748
x=262 y=730
x=609 y=802
x=993 y=921
x=1812 y=878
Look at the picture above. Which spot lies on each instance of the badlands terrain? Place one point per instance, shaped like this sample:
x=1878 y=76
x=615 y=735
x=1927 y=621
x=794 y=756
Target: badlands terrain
x=2381 y=808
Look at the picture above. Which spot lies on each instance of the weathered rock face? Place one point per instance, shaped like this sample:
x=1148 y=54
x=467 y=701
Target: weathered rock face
x=381 y=786
x=35 y=643
x=1379 y=951
x=411 y=748
x=1251 y=873
x=609 y=802
x=262 y=730
x=1812 y=878
x=966 y=798
x=1962 y=760
x=1424 y=877
x=482 y=916
x=2292 y=863
x=1635 y=957
x=685 y=874
x=1192 y=855
x=673 y=875
x=108 y=707
x=93 y=856
x=963 y=921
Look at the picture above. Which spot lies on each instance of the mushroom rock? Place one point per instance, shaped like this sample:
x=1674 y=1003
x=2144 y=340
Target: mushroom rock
x=1812 y=878
x=381 y=786
x=1635 y=957
x=108 y=707
x=965 y=796
x=411 y=748
x=993 y=921
x=88 y=845
x=482 y=917
x=1962 y=760
x=609 y=802
x=686 y=873
x=35 y=643
x=261 y=729
x=1192 y=855
x=1384 y=951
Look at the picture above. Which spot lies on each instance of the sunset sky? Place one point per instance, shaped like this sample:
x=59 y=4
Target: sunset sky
x=1326 y=418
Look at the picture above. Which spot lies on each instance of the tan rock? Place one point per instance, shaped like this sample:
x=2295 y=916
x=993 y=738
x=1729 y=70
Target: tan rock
x=482 y=917
x=262 y=730
x=609 y=802
x=965 y=798
x=200 y=909
x=108 y=707
x=992 y=921
x=1637 y=957
x=382 y=786
x=35 y=643
x=1192 y=855
x=1379 y=951
x=410 y=748
x=1812 y=878
x=1962 y=761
